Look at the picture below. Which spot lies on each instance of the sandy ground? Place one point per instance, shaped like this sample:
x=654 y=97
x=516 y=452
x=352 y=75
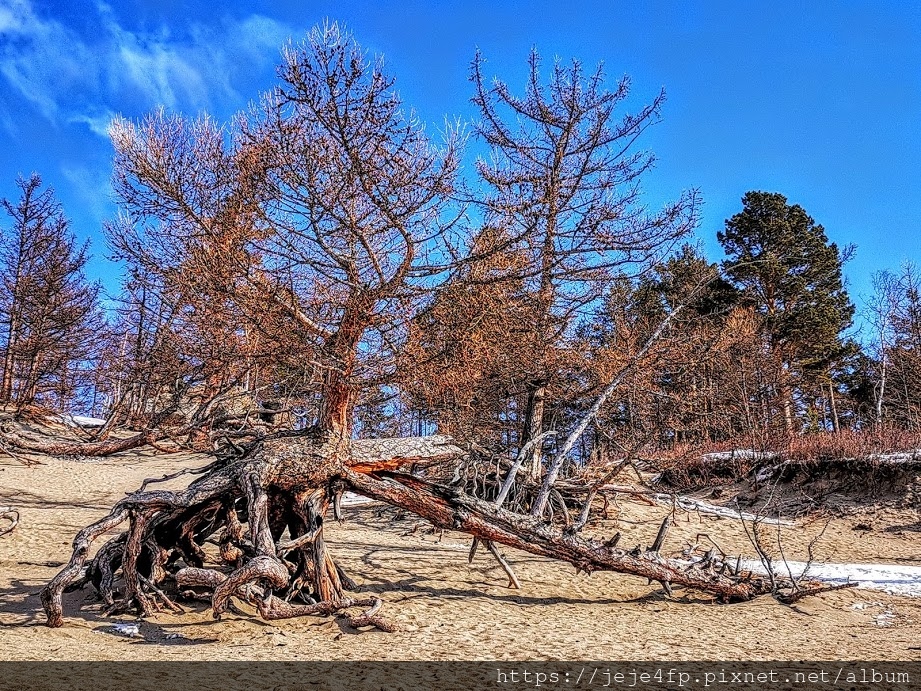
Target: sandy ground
x=445 y=608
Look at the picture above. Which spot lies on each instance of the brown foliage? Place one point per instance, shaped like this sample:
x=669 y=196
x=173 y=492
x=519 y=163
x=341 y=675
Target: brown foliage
x=49 y=310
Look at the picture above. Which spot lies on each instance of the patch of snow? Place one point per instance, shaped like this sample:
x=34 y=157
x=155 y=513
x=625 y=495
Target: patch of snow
x=895 y=458
x=81 y=421
x=352 y=499
x=885 y=619
x=765 y=473
x=913 y=456
x=894 y=579
x=130 y=630
x=742 y=454
x=696 y=505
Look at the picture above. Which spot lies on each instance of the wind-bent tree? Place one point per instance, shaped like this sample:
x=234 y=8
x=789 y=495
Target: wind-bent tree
x=564 y=178
x=324 y=207
x=49 y=310
x=783 y=262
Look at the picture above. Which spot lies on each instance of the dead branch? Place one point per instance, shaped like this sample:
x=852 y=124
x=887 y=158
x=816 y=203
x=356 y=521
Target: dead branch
x=8 y=513
x=448 y=508
x=16 y=457
x=98 y=448
x=797 y=595
x=519 y=461
x=513 y=581
x=173 y=476
x=553 y=471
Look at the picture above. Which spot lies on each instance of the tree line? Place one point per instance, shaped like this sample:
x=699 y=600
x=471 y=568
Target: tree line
x=321 y=261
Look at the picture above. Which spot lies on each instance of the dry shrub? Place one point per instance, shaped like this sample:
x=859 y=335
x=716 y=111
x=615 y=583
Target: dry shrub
x=728 y=461
x=849 y=444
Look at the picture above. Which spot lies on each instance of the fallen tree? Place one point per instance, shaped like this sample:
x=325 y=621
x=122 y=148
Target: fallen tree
x=249 y=499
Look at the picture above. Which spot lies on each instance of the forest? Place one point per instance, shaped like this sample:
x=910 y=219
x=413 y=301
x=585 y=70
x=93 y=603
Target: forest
x=483 y=325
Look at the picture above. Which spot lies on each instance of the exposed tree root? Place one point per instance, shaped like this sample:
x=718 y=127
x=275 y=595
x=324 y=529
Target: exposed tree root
x=264 y=509
x=272 y=608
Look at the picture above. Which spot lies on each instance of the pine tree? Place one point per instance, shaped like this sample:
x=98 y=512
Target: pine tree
x=786 y=267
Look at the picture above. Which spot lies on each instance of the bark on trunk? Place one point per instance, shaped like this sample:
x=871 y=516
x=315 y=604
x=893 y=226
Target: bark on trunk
x=451 y=509
x=338 y=396
x=9 y=359
x=534 y=428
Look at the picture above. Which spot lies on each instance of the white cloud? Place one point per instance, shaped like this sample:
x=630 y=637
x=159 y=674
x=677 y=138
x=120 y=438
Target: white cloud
x=39 y=58
x=8 y=20
x=93 y=188
x=98 y=123
x=6 y=122
x=78 y=79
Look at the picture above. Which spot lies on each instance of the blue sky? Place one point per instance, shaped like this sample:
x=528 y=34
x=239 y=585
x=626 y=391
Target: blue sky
x=818 y=101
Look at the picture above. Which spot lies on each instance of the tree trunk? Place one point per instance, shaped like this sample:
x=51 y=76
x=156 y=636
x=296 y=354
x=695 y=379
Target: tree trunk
x=835 y=423
x=9 y=357
x=881 y=392
x=452 y=509
x=534 y=427
x=337 y=401
x=785 y=400
x=29 y=388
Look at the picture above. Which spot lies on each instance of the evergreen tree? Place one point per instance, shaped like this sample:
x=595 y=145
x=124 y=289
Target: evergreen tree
x=785 y=265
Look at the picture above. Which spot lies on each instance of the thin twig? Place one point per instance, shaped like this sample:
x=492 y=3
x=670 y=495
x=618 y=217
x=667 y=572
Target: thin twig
x=173 y=476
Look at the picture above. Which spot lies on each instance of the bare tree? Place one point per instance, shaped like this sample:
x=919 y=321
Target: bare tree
x=564 y=176
x=882 y=313
x=904 y=349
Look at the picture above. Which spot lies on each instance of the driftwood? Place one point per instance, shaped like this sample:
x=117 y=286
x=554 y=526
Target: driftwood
x=247 y=501
x=10 y=516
